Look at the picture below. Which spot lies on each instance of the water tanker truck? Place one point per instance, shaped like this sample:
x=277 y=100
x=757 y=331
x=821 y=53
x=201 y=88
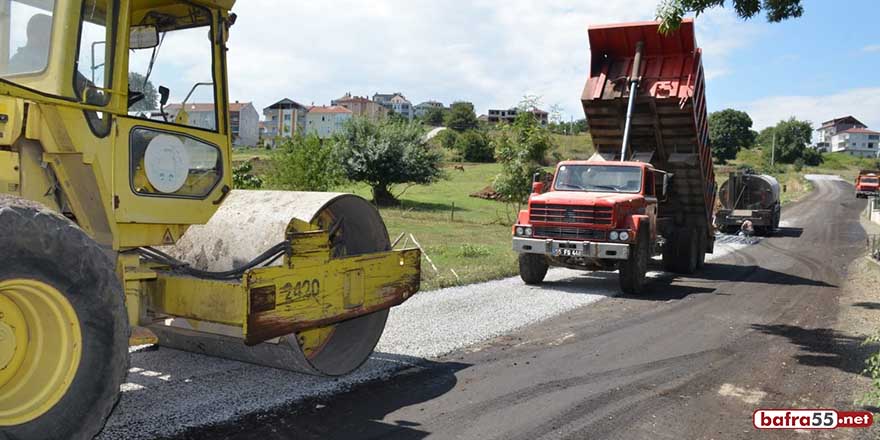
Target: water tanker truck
x=649 y=189
x=749 y=196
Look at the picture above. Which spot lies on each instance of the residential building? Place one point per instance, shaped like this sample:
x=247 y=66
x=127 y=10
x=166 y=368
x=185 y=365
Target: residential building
x=326 y=121
x=832 y=127
x=421 y=109
x=395 y=102
x=244 y=122
x=200 y=115
x=361 y=107
x=498 y=115
x=856 y=141
x=283 y=119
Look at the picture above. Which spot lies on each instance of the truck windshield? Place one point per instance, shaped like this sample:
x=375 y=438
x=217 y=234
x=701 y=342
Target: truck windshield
x=870 y=180
x=599 y=178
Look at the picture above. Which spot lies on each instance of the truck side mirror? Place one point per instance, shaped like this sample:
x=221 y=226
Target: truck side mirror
x=665 y=185
x=537 y=187
x=164 y=92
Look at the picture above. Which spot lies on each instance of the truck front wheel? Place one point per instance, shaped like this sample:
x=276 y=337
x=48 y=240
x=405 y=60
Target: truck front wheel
x=633 y=269
x=533 y=268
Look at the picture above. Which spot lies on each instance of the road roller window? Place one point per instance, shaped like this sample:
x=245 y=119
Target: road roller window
x=25 y=37
x=95 y=57
x=173 y=165
x=171 y=68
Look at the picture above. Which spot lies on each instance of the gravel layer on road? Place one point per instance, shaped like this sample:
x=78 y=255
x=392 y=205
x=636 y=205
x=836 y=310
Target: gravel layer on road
x=168 y=391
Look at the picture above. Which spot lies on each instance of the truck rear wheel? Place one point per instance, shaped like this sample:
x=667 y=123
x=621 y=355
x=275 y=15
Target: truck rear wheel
x=533 y=268
x=632 y=270
x=680 y=252
x=63 y=327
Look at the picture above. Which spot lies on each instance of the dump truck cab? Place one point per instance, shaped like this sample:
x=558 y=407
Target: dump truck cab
x=868 y=184
x=119 y=224
x=592 y=213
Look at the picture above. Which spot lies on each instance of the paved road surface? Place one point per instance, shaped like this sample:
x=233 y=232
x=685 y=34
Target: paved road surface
x=692 y=359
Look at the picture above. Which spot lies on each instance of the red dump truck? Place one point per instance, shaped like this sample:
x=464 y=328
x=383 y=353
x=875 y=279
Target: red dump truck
x=868 y=184
x=650 y=187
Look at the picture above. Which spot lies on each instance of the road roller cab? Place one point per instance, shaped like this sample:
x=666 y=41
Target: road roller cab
x=118 y=221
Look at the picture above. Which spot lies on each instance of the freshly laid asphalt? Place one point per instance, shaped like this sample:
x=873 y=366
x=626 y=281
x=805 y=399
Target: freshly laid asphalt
x=692 y=358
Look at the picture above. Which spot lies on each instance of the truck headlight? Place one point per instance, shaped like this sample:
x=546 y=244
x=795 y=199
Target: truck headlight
x=519 y=230
x=624 y=236
x=528 y=231
x=613 y=235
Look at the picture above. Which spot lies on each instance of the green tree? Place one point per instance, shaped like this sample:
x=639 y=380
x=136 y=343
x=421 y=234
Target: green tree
x=434 y=117
x=385 y=153
x=243 y=177
x=792 y=137
x=151 y=96
x=474 y=146
x=671 y=12
x=520 y=148
x=305 y=164
x=729 y=130
x=461 y=117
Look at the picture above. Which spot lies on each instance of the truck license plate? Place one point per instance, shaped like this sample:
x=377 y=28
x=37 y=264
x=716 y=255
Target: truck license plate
x=563 y=252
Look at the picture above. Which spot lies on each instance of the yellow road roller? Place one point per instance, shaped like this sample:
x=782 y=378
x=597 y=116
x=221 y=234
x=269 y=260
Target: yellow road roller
x=119 y=225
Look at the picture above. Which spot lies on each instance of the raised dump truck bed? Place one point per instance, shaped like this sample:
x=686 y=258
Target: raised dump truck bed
x=669 y=121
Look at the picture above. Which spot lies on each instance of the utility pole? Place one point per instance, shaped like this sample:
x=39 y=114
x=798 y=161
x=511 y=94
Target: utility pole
x=773 y=151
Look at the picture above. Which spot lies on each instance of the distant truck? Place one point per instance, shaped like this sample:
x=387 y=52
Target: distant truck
x=749 y=196
x=650 y=187
x=868 y=184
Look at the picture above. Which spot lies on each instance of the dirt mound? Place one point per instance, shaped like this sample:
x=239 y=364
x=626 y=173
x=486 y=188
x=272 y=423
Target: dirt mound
x=487 y=193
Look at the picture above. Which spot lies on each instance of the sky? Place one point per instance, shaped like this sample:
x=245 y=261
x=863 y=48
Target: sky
x=820 y=66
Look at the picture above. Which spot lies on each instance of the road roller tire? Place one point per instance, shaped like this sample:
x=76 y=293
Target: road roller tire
x=64 y=306
x=633 y=270
x=533 y=268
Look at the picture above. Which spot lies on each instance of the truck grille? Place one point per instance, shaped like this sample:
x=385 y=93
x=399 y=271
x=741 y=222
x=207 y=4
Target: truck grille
x=565 y=233
x=594 y=215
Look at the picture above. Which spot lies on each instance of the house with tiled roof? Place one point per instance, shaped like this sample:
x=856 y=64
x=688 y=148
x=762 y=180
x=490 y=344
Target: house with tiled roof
x=361 y=106
x=283 y=119
x=325 y=121
x=243 y=120
x=395 y=102
x=832 y=127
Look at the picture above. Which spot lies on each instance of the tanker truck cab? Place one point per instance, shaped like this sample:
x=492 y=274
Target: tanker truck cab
x=594 y=215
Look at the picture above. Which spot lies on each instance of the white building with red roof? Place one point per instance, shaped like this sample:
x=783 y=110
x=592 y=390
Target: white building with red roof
x=325 y=121
x=856 y=141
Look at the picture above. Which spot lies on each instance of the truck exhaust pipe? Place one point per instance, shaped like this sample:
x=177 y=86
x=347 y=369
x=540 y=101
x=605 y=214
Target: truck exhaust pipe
x=634 y=79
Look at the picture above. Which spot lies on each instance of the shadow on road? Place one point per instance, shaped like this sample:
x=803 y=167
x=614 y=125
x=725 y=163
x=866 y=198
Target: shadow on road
x=788 y=232
x=345 y=416
x=823 y=347
x=868 y=305
x=755 y=274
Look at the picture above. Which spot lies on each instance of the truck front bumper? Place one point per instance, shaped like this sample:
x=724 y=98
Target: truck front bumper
x=867 y=194
x=564 y=248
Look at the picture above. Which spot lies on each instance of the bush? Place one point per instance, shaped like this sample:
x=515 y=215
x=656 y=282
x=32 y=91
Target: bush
x=305 y=164
x=474 y=146
x=520 y=148
x=243 y=177
x=385 y=153
x=799 y=164
x=447 y=139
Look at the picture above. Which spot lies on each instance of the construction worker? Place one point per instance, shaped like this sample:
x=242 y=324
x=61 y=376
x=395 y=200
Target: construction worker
x=33 y=56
